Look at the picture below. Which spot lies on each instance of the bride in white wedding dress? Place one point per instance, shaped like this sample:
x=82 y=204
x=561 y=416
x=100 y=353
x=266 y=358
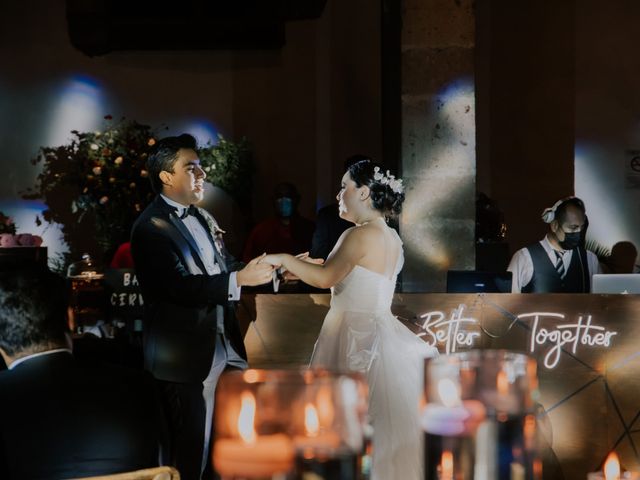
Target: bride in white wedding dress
x=359 y=332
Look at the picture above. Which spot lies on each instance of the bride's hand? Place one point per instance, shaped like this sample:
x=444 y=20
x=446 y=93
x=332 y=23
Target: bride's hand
x=305 y=258
x=274 y=259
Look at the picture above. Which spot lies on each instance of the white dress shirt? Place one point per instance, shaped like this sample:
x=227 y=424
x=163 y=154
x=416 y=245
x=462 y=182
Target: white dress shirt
x=201 y=238
x=521 y=265
x=17 y=362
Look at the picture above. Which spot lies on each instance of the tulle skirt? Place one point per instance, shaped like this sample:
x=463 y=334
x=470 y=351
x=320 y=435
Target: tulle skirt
x=391 y=357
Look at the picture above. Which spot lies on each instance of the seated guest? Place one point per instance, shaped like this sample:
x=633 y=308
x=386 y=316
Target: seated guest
x=59 y=418
x=287 y=232
x=559 y=263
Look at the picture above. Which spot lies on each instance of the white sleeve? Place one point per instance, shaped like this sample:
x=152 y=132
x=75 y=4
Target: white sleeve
x=234 y=289
x=521 y=267
x=594 y=266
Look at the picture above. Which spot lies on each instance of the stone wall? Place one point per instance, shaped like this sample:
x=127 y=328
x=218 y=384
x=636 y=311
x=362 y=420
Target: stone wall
x=438 y=140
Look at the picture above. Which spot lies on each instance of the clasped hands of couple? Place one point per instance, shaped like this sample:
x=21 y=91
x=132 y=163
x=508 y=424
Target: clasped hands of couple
x=262 y=268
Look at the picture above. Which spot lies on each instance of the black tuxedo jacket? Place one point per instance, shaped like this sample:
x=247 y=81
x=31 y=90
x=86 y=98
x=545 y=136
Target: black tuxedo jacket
x=180 y=297
x=62 y=419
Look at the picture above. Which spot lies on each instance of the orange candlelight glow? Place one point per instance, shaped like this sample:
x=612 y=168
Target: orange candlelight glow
x=529 y=432
x=324 y=401
x=311 y=422
x=247 y=417
x=446 y=466
x=502 y=383
x=612 y=467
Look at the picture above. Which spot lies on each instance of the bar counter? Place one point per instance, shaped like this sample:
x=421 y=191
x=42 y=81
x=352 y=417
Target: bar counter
x=587 y=348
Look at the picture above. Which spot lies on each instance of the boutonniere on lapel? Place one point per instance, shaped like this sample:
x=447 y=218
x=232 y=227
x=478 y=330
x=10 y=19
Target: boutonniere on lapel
x=216 y=232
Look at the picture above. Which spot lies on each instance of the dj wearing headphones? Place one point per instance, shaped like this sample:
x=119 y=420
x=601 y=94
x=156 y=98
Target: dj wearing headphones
x=559 y=263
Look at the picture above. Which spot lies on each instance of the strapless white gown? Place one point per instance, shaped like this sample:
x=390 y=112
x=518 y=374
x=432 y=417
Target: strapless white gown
x=361 y=334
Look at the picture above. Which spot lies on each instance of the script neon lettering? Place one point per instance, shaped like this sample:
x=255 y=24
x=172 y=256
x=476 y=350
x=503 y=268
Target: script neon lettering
x=438 y=329
x=570 y=334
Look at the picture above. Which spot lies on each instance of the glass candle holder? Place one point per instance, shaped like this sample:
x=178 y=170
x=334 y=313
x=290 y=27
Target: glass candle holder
x=286 y=424
x=478 y=417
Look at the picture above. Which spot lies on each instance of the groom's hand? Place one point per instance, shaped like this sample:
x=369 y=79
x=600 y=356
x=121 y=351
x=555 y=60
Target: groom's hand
x=255 y=273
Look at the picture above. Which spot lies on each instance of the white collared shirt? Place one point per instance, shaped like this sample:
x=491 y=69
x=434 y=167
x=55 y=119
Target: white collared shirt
x=201 y=238
x=521 y=265
x=17 y=362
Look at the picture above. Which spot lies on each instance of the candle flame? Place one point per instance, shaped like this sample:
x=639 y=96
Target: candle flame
x=247 y=417
x=446 y=465
x=311 y=421
x=502 y=383
x=324 y=401
x=612 y=467
x=448 y=392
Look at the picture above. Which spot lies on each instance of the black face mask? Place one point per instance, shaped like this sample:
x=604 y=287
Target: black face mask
x=571 y=240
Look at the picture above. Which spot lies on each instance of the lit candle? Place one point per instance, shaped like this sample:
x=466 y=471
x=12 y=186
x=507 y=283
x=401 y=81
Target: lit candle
x=314 y=439
x=454 y=417
x=612 y=471
x=503 y=400
x=446 y=466
x=252 y=455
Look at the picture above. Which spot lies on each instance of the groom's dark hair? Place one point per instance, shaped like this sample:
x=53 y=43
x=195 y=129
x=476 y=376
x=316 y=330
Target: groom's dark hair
x=164 y=155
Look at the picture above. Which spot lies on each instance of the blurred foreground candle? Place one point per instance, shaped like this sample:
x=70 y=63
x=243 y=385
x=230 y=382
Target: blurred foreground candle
x=446 y=466
x=478 y=408
x=282 y=424
x=250 y=455
x=612 y=471
x=330 y=427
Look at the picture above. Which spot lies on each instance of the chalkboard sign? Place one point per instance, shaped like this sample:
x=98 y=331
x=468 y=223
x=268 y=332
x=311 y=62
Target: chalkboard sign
x=124 y=298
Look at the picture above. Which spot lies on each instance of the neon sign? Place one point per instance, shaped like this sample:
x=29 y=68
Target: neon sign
x=438 y=329
x=457 y=330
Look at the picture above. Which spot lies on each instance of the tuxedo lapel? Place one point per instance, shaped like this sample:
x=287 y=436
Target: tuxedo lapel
x=186 y=235
x=210 y=228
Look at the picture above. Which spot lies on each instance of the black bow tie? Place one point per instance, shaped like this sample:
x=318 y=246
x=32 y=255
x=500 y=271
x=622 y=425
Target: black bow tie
x=190 y=210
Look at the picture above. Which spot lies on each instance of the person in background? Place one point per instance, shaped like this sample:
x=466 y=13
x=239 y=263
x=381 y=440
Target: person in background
x=622 y=259
x=59 y=417
x=287 y=232
x=559 y=263
x=122 y=258
x=329 y=224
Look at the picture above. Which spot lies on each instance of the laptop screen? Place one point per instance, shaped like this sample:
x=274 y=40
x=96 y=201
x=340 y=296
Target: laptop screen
x=616 y=283
x=472 y=281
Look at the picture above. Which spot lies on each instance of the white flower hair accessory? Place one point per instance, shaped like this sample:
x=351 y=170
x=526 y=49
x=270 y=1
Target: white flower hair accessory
x=395 y=184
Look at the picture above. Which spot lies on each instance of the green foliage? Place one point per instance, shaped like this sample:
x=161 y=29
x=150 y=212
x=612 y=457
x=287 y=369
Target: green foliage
x=229 y=166
x=7 y=225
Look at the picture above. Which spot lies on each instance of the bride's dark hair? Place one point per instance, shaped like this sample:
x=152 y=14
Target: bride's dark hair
x=383 y=197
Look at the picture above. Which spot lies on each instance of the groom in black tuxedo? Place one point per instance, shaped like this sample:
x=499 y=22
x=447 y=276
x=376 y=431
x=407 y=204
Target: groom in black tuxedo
x=189 y=283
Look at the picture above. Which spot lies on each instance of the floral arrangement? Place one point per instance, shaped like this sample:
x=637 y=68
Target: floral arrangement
x=95 y=186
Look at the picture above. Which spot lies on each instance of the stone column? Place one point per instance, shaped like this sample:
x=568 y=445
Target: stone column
x=438 y=140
